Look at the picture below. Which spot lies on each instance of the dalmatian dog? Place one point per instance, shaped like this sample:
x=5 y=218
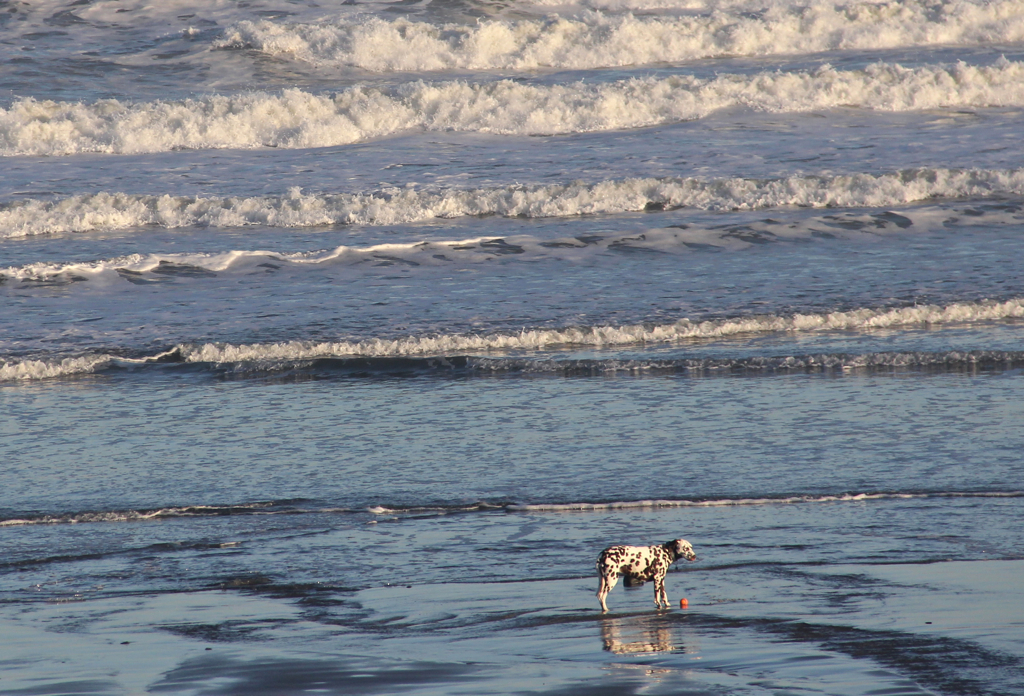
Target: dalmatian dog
x=639 y=564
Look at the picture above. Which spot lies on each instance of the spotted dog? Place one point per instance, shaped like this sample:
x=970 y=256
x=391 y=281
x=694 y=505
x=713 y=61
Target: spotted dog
x=638 y=564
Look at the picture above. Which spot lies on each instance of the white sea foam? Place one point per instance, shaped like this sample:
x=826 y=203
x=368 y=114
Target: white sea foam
x=609 y=336
x=43 y=369
x=729 y=502
x=683 y=238
x=595 y=40
x=955 y=361
x=428 y=253
x=864 y=319
x=138 y=515
x=86 y=364
x=105 y=211
x=299 y=119
x=260 y=508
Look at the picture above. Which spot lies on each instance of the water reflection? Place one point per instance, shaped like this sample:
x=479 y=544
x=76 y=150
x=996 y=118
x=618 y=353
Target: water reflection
x=637 y=634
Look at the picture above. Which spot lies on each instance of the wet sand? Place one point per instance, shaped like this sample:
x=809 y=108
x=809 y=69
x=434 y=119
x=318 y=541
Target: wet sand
x=852 y=629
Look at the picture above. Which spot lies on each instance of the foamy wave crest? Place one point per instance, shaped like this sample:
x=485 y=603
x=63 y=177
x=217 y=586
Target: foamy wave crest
x=81 y=365
x=260 y=508
x=610 y=336
x=474 y=365
x=595 y=40
x=729 y=502
x=151 y=268
x=142 y=269
x=273 y=508
x=100 y=211
x=545 y=339
x=298 y=119
x=139 y=515
x=43 y=369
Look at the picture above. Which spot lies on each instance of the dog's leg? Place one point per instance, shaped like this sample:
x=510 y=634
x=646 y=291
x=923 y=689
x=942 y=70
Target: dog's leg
x=660 y=596
x=608 y=582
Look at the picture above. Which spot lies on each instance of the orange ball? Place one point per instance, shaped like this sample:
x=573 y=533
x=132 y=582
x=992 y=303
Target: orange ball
x=683 y=603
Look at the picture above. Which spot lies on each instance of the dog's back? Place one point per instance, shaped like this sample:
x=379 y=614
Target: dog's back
x=633 y=562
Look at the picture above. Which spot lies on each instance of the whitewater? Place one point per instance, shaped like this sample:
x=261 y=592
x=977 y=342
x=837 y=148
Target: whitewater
x=303 y=304
x=598 y=336
x=395 y=206
x=598 y=40
x=300 y=119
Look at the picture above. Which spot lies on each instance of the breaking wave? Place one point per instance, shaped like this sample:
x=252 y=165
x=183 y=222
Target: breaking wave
x=298 y=119
x=452 y=347
x=595 y=40
x=600 y=336
x=105 y=211
x=145 y=269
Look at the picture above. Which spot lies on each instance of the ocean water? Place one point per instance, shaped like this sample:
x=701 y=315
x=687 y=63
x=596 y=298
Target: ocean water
x=337 y=339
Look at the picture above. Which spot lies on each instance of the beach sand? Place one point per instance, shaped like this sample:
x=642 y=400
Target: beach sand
x=854 y=629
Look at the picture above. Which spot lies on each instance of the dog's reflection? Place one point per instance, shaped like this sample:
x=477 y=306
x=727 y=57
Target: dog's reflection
x=637 y=634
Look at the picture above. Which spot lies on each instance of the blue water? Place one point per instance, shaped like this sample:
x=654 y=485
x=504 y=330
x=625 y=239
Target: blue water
x=334 y=389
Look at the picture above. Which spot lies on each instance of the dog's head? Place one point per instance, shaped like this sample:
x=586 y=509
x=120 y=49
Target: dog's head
x=682 y=549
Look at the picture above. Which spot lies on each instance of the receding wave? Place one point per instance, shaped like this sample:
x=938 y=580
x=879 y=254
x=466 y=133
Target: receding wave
x=466 y=365
x=450 y=349
x=298 y=119
x=728 y=502
x=285 y=507
x=145 y=269
x=376 y=511
x=138 y=515
x=106 y=211
x=595 y=40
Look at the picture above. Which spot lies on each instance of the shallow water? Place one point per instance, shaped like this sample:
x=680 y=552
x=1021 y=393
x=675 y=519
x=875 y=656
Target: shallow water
x=406 y=529
x=800 y=596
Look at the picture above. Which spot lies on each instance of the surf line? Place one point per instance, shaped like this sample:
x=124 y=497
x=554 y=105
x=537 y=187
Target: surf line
x=397 y=512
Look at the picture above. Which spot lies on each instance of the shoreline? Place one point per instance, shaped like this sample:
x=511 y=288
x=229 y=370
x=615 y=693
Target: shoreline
x=540 y=636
